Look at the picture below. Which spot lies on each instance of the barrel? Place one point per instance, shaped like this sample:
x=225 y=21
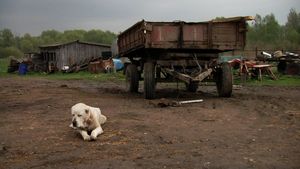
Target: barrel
x=118 y=64
x=22 y=69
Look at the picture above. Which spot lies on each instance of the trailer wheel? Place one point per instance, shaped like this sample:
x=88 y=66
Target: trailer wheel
x=224 y=80
x=192 y=87
x=149 y=80
x=158 y=72
x=132 y=78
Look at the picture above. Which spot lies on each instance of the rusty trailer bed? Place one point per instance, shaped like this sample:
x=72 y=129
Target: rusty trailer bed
x=189 y=37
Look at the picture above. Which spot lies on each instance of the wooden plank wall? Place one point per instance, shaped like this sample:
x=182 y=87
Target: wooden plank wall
x=77 y=53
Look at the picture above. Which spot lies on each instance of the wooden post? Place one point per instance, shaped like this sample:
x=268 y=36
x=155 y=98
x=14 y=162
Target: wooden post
x=255 y=52
x=260 y=76
x=271 y=73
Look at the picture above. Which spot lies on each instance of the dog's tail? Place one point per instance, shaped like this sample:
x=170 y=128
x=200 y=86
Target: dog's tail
x=102 y=119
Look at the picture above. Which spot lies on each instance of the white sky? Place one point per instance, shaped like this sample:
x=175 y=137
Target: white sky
x=34 y=16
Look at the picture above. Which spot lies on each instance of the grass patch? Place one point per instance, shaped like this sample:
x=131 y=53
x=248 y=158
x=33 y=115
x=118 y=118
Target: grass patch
x=3 y=65
x=282 y=80
x=83 y=75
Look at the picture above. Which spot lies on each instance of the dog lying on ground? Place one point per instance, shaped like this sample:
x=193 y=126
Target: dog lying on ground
x=87 y=119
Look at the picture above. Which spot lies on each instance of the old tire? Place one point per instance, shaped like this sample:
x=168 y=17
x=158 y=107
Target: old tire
x=11 y=69
x=293 y=69
x=192 y=87
x=224 y=80
x=281 y=67
x=149 y=80
x=132 y=78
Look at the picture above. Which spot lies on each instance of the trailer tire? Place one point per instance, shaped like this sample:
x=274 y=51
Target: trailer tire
x=132 y=78
x=192 y=87
x=149 y=80
x=158 y=72
x=224 y=80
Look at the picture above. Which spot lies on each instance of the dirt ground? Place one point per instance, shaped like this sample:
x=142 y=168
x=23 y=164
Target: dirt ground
x=258 y=127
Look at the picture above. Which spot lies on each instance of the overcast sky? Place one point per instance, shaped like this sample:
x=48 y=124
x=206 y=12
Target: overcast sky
x=34 y=16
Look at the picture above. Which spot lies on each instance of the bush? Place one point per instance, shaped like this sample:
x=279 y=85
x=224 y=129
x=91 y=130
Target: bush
x=3 y=65
x=10 y=51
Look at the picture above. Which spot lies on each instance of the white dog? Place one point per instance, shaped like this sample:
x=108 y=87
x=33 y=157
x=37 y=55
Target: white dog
x=87 y=119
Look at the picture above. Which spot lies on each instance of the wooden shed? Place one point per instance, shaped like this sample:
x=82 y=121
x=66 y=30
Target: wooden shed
x=67 y=55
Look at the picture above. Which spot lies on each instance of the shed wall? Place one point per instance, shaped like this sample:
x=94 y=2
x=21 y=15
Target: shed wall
x=74 y=54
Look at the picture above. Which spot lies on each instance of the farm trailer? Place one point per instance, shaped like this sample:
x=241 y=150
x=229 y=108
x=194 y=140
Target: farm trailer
x=185 y=51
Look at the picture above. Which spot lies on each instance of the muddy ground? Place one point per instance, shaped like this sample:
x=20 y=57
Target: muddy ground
x=258 y=127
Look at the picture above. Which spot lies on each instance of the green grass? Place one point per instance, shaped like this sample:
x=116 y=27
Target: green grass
x=3 y=65
x=83 y=75
x=282 y=80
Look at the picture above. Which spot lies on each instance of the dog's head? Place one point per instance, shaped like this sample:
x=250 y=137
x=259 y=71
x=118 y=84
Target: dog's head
x=81 y=116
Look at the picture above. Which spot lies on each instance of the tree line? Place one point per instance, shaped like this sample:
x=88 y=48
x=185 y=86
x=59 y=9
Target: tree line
x=265 y=33
x=12 y=45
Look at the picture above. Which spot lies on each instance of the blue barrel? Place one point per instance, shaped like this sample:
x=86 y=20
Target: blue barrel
x=22 y=69
x=118 y=64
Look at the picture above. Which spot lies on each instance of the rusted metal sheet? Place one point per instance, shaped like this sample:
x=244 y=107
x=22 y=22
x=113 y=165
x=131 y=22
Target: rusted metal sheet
x=213 y=36
x=95 y=67
x=101 y=66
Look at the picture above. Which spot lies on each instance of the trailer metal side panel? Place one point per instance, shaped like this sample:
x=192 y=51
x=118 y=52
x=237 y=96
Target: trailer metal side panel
x=195 y=36
x=213 y=36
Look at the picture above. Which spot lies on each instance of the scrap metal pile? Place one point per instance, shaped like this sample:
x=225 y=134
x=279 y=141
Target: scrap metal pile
x=287 y=63
x=29 y=64
x=251 y=68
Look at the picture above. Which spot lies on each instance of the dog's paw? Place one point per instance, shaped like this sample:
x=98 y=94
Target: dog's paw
x=93 y=137
x=86 y=138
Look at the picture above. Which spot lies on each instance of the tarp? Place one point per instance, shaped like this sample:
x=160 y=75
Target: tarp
x=229 y=58
x=118 y=64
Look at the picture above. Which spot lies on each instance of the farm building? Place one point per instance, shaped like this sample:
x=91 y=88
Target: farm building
x=68 y=55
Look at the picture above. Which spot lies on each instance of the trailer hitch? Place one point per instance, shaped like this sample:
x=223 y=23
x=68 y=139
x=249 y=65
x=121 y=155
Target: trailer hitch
x=187 y=78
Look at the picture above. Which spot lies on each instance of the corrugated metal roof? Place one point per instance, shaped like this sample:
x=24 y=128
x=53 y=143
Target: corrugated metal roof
x=77 y=41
